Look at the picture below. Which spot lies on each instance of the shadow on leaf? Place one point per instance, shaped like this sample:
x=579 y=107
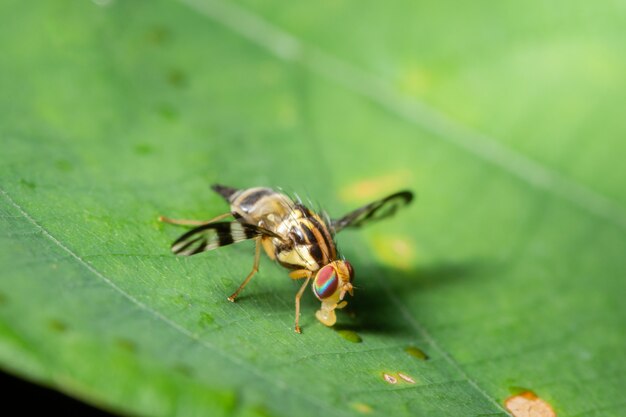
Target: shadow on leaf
x=374 y=309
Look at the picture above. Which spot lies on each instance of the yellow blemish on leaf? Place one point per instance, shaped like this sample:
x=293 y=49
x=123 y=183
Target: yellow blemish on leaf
x=416 y=353
x=527 y=404
x=415 y=81
x=362 y=408
x=350 y=335
x=375 y=188
x=396 y=251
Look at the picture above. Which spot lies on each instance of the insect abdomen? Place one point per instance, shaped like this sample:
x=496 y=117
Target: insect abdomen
x=261 y=206
x=226 y=192
x=251 y=199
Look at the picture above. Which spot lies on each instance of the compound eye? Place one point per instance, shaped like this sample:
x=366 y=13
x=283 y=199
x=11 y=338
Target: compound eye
x=350 y=270
x=326 y=282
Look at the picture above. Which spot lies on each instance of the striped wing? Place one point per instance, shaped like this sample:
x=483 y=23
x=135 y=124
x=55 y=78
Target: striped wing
x=214 y=235
x=377 y=210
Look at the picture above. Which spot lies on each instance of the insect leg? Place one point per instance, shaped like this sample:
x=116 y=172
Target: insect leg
x=298 y=296
x=255 y=268
x=269 y=247
x=300 y=273
x=185 y=222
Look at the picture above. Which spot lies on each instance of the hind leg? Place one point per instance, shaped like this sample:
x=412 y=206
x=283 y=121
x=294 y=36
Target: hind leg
x=255 y=269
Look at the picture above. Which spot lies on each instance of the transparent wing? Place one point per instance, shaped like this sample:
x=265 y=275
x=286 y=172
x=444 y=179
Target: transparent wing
x=214 y=235
x=374 y=211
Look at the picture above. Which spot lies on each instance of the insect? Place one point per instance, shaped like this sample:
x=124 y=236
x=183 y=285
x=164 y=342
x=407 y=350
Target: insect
x=292 y=235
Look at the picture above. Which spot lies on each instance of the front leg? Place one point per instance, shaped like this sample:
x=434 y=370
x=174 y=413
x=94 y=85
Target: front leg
x=298 y=296
x=300 y=273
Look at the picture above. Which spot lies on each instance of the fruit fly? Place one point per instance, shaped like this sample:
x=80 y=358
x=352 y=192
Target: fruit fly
x=292 y=235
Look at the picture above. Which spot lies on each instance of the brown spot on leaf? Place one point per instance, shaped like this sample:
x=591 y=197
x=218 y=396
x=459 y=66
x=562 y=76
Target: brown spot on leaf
x=57 y=325
x=126 y=345
x=390 y=378
x=527 y=404
x=177 y=78
x=406 y=378
x=158 y=34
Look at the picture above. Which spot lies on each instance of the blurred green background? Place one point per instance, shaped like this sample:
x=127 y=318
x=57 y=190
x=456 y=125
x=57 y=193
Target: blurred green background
x=506 y=118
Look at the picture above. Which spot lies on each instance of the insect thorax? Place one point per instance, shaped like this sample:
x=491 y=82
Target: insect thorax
x=307 y=241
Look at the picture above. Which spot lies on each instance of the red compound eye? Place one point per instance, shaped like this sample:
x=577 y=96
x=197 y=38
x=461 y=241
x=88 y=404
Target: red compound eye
x=326 y=282
x=350 y=270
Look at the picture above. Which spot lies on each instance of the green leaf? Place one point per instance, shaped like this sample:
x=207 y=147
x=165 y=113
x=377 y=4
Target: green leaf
x=505 y=275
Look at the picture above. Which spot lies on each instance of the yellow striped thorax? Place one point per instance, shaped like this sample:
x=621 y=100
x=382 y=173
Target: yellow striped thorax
x=309 y=243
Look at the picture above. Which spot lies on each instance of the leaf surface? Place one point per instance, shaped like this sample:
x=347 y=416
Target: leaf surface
x=507 y=271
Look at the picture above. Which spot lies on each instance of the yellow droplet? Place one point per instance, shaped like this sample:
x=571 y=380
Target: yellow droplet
x=527 y=404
